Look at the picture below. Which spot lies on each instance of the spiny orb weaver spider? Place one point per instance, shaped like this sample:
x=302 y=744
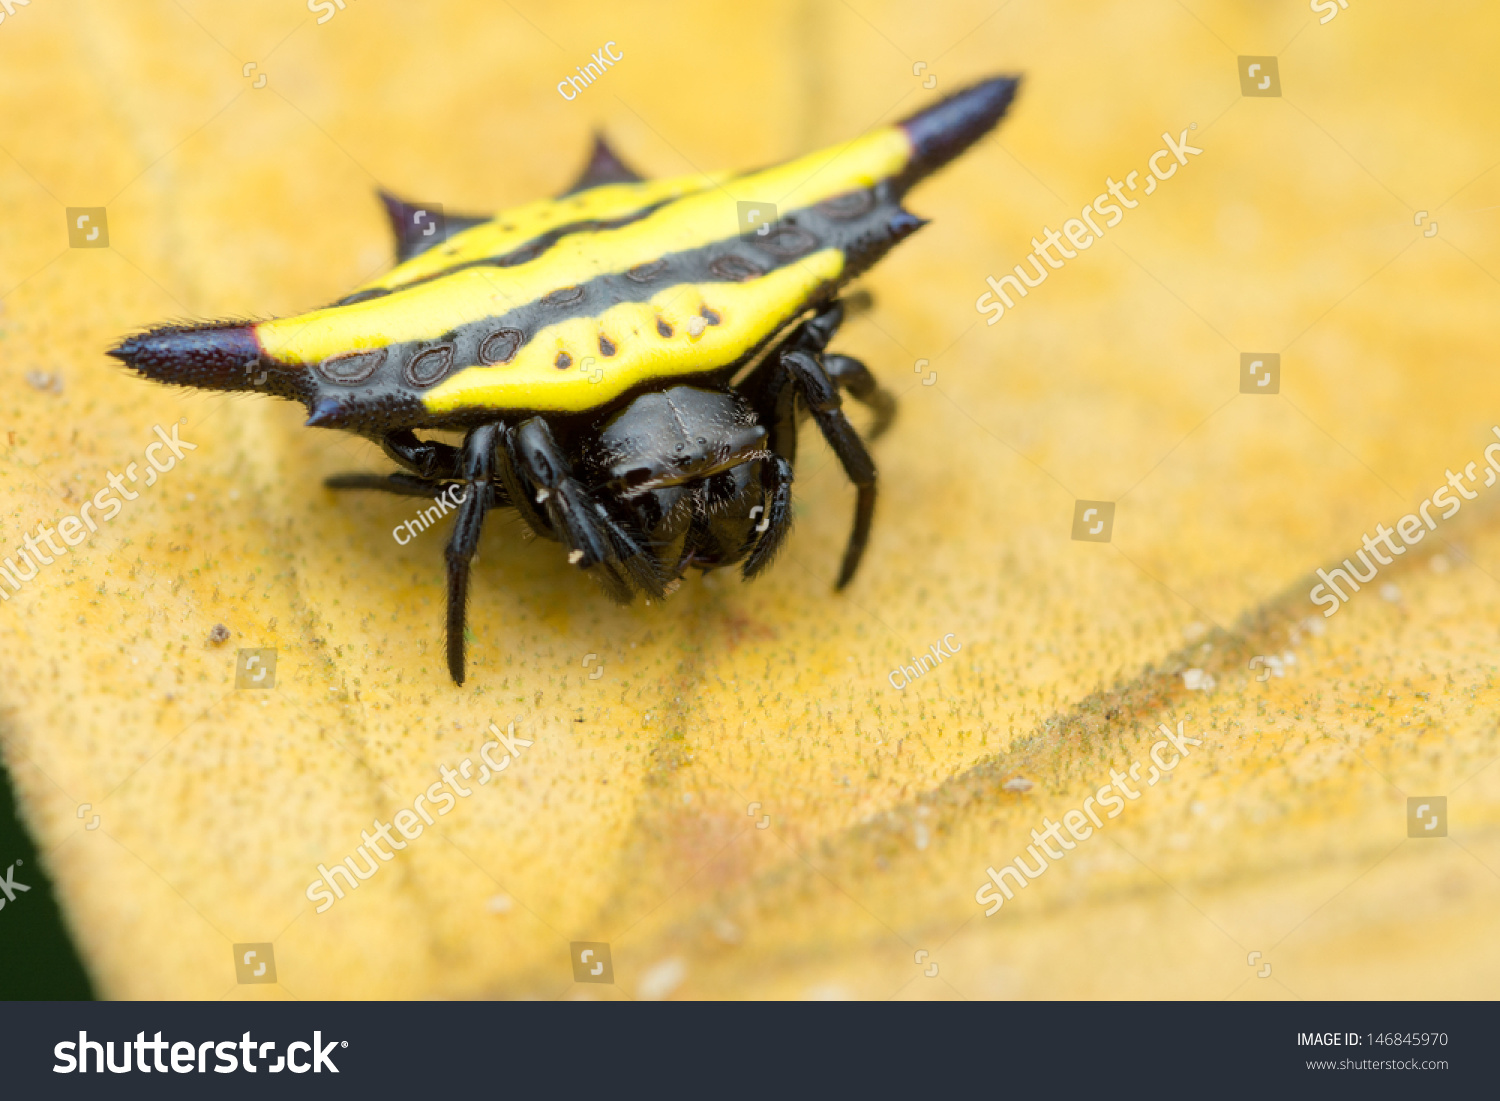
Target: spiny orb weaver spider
x=629 y=364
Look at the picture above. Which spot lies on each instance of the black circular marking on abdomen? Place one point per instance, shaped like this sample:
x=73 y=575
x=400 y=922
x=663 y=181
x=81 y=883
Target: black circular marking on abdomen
x=428 y=367
x=351 y=368
x=735 y=268
x=501 y=346
x=787 y=241
x=563 y=361
x=648 y=272
x=606 y=346
x=851 y=204
x=563 y=296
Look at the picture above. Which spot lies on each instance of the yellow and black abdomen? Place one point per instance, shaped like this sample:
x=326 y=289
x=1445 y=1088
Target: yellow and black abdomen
x=565 y=305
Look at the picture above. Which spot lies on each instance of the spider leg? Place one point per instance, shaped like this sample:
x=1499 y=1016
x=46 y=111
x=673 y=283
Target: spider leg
x=856 y=378
x=480 y=456
x=821 y=393
x=432 y=466
x=522 y=494
x=776 y=483
x=403 y=485
x=796 y=375
x=406 y=485
x=774 y=393
x=592 y=535
x=429 y=459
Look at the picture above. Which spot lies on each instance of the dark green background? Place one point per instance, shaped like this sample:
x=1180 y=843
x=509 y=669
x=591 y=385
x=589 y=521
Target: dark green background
x=37 y=957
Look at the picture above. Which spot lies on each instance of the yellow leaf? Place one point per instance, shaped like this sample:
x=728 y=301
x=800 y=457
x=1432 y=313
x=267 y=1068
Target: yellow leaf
x=742 y=804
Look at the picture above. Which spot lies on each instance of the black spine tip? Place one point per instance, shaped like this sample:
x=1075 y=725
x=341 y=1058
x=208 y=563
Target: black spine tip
x=604 y=167
x=326 y=413
x=396 y=209
x=904 y=224
x=411 y=240
x=944 y=130
x=216 y=356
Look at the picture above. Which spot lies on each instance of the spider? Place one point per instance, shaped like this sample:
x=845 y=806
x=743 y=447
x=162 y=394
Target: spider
x=629 y=362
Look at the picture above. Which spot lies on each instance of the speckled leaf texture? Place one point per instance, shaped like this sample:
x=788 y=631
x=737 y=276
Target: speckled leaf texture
x=741 y=805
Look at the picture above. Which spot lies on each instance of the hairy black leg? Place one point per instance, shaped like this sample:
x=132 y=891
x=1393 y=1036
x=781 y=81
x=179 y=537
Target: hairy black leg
x=771 y=390
x=478 y=459
x=720 y=533
x=698 y=543
x=406 y=485
x=540 y=462
x=429 y=462
x=529 y=495
x=815 y=333
x=776 y=520
x=638 y=563
x=793 y=374
x=403 y=485
x=822 y=396
x=856 y=378
x=522 y=493
x=424 y=458
x=593 y=537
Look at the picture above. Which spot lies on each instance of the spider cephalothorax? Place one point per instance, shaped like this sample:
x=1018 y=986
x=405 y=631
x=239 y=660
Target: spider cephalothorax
x=630 y=361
